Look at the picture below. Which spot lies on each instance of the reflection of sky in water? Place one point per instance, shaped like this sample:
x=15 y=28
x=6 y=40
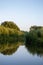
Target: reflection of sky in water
x=21 y=57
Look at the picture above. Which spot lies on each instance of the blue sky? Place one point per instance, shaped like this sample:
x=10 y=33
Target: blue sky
x=25 y=13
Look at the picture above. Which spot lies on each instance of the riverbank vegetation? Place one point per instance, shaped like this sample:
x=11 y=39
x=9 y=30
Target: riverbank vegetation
x=10 y=32
x=35 y=36
x=11 y=37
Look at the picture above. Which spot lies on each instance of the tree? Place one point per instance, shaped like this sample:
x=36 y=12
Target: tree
x=10 y=24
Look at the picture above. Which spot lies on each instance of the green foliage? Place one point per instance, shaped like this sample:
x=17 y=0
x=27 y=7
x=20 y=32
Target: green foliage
x=10 y=24
x=7 y=34
x=35 y=36
x=36 y=27
x=10 y=32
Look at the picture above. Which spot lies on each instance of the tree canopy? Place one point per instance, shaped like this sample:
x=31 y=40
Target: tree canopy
x=10 y=24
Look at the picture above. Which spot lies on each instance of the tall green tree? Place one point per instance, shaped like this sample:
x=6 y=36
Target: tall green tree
x=10 y=24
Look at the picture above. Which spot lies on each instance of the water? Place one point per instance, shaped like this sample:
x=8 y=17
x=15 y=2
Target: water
x=17 y=54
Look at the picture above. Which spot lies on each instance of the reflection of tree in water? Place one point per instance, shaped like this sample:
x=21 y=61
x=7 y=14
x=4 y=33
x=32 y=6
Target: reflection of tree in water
x=35 y=49
x=9 y=48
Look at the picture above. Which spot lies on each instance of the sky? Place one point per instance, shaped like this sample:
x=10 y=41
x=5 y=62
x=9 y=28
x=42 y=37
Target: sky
x=25 y=13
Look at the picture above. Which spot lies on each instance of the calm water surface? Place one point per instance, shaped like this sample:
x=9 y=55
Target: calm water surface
x=20 y=56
